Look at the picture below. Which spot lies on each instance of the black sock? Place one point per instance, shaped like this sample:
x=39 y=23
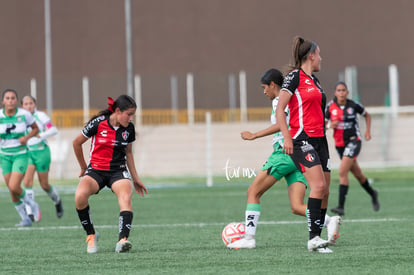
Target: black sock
x=85 y=220
x=314 y=217
x=125 y=222
x=343 y=190
x=367 y=187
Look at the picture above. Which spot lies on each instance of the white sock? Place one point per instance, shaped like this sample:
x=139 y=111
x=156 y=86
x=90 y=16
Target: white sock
x=30 y=193
x=54 y=195
x=252 y=220
x=21 y=209
x=27 y=200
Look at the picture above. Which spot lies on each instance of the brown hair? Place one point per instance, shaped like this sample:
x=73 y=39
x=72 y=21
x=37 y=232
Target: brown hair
x=301 y=49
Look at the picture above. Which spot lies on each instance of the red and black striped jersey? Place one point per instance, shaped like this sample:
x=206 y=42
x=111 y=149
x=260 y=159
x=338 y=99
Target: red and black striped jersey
x=306 y=106
x=347 y=127
x=108 y=143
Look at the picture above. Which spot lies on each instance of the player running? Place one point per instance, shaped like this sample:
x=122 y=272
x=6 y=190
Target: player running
x=39 y=156
x=277 y=166
x=13 y=153
x=342 y=113
x=111 y=165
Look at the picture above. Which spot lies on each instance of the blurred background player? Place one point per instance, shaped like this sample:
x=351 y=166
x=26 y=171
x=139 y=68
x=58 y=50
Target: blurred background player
x=14 y=158
x=304 y=139
x=277 y=166
x=39 y=156
x=342 y=113
x=111 y=164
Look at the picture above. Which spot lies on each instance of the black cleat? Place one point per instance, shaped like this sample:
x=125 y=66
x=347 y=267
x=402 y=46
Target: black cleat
x=375 y=203
x=59 y=209
x=338 y=210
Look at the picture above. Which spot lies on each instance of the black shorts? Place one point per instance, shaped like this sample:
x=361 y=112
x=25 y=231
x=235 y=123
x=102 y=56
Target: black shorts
x=311 y=152
x=351 y=149
x=107 y=178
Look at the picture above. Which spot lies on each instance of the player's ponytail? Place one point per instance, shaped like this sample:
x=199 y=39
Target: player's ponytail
x=123 y=102
x=301 y=50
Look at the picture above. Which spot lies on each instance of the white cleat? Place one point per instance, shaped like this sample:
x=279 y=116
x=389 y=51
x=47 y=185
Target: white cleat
x=24 y=223
x=316 y=243
x=92 y=243
x=123 y=245
x=324 y=250
x=243 y=243
x=333 y=229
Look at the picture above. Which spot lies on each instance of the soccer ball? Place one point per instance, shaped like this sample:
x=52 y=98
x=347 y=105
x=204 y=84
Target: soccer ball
x=232 y=232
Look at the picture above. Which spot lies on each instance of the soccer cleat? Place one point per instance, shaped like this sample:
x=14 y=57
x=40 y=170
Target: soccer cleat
x=338 y=210
x=123 y=245
x=316 y=243
x=92 y=243
x=59 y=209
x=31 y=216
x=375 y=203
x=333 y=229
x=243 y=243
x=37 y=214
x=24 y=223
x=324 y=250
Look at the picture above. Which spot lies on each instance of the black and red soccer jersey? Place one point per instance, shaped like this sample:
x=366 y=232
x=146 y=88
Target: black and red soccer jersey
x=108 y=144
x=306 y=105
x=347 y=127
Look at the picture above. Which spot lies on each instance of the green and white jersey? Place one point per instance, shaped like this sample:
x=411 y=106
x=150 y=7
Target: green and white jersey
x=277 y=141
x=11 y=129
x=46 y=129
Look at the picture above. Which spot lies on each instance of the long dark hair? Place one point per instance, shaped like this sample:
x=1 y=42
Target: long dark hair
x=301 y=50
x=272 y=75
x=123 y=102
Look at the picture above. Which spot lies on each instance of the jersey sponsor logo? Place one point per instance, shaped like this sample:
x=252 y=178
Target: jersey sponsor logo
x=307 y=81
x=306 y=147
x=104 y=133
x=250 y=218
x=125 y=174
x=125 y=135
x=10 y=127
x=310 y=89
x=287 y=80
x=310 y=157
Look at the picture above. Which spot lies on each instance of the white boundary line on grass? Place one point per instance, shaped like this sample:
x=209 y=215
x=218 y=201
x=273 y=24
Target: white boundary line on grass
x=77 y=227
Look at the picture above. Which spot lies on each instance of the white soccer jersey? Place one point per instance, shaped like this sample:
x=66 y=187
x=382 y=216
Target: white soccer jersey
x=46 y=129
x=277 y=137
x=12 y=128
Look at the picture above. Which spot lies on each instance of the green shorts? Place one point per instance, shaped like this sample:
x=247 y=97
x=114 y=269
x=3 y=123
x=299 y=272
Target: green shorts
x=40 y=159
x=280 y=165
x=14 y=163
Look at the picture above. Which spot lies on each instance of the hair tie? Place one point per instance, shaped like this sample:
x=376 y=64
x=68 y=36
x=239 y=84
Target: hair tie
x=110 y=104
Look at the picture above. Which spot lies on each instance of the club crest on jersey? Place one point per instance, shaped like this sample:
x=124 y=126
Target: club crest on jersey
x=125 y=135
x=350 y=111
x=310 y=157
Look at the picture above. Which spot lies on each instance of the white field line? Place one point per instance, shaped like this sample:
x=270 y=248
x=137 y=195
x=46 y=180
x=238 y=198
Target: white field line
x=77 y=227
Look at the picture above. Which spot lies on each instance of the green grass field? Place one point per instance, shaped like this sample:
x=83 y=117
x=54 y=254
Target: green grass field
x=177 y=230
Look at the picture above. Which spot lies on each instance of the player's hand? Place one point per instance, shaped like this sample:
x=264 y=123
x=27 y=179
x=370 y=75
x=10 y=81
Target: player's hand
x=23 y=140
x=82 y=172
x=140 y=188
x=288 y=146
x=334 y=123
x=367 y=135
x=246 y=135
